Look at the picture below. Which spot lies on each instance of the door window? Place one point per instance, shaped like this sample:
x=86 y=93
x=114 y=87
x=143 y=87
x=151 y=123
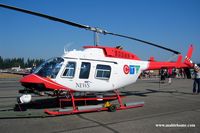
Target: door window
x=85 y=70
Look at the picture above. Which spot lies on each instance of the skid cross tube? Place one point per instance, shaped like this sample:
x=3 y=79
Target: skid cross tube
x=119 y=99
x=73 y=102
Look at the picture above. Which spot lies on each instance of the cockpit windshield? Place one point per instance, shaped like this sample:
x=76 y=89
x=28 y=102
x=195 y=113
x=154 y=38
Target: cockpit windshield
x=50 y=68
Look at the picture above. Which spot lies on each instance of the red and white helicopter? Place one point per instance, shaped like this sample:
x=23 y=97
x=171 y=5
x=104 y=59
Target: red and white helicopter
x=95 y=69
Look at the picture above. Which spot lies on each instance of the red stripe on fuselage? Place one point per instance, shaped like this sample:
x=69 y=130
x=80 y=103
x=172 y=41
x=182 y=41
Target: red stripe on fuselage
x=35 y=79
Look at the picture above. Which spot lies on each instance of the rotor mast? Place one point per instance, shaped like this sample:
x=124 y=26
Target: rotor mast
x=96 y=31
x=96 y=39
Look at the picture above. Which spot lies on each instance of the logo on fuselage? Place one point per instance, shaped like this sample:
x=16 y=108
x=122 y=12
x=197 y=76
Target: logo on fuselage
x=126 y=69
x=131 y=69
x=85 y=84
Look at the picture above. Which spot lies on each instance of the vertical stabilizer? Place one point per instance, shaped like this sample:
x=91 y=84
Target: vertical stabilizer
x=189 y=55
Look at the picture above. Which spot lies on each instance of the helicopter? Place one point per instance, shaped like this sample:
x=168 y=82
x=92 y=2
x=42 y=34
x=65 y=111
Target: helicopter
x=96 y=69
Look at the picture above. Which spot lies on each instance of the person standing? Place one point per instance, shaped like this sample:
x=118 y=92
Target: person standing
x=170 y=75
x=196 y=79
x=162 y=75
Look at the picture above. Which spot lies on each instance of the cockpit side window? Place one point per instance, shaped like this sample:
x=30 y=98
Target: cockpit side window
x=69 y=71
x=85 y=70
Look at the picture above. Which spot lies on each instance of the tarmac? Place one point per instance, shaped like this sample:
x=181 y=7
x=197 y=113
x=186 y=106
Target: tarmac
x=168 y=108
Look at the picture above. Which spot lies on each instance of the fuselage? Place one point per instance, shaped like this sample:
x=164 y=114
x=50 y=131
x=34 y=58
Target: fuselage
x=92 y=69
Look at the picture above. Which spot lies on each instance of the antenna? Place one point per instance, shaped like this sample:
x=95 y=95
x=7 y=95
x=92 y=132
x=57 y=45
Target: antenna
x=65 y=51
x=67 y=46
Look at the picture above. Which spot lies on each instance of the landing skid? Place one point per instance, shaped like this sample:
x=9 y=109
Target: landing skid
x=92 y=108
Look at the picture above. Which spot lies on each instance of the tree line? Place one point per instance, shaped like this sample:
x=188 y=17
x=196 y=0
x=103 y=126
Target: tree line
x=15 y=62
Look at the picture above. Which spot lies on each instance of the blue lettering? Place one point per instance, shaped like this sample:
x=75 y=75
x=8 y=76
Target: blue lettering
x=132 y=69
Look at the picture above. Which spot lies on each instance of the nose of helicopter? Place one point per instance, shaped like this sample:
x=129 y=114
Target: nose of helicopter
x=47 y=82
x=32 y=78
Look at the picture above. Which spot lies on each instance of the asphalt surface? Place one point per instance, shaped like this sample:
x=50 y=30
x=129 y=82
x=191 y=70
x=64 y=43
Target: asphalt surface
x=168 y=108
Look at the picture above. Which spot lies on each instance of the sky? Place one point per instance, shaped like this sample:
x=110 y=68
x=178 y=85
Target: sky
x=171 y=23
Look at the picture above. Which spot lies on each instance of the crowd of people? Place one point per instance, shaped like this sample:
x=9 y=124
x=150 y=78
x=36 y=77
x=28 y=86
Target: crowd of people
x=164 y=74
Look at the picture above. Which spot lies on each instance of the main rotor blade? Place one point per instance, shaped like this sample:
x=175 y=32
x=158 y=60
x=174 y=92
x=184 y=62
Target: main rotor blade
x=139 y=40
x=45 y=16
x=94 y=29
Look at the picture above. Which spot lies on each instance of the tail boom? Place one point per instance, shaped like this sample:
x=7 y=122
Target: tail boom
x=187 y=63
x=160 y=65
